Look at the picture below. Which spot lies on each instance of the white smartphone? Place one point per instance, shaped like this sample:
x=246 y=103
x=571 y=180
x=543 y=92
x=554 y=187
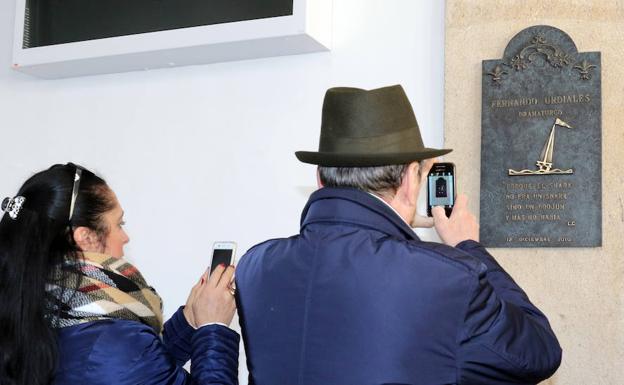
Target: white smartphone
x=222 y=252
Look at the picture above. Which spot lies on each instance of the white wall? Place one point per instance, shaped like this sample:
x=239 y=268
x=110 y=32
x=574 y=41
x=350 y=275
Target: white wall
x=205 y=153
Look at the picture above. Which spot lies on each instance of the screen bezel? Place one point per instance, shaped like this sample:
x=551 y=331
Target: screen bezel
x=220 y=246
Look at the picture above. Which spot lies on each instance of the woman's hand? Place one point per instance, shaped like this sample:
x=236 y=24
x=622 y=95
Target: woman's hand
x=213 y=301
x=188 y=308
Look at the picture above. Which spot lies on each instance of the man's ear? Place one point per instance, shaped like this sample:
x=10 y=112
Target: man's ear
x=410 y=184
x=318 y=179
x=84 y=238
x=426 y=166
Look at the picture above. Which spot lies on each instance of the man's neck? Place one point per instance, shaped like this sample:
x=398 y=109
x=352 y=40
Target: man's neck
x=400 y=211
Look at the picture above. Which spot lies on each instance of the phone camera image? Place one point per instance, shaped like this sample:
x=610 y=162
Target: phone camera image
x=441 y=189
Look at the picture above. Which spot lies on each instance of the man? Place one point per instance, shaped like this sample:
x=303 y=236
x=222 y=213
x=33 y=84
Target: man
x=356 y=298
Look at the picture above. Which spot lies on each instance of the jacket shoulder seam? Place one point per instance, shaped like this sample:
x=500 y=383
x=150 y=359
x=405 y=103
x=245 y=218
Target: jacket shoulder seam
x=438 y=255
x=258 y=245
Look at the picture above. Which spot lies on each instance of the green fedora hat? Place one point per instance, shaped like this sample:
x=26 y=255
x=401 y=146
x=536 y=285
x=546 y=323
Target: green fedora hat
x=362 y=128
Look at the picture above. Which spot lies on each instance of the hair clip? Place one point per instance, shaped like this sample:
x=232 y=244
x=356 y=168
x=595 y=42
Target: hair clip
x=13 y=206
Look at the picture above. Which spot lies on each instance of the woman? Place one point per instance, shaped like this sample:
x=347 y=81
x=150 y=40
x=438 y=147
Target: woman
x=73 y=311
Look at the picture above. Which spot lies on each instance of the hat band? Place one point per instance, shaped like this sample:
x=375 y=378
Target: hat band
x=402 y=141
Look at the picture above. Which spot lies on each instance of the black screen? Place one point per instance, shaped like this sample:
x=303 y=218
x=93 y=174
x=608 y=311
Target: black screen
x=220 y=256
x=51 y=22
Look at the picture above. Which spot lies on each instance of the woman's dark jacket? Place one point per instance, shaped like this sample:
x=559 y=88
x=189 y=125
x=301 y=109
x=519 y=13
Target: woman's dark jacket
x=123 y=352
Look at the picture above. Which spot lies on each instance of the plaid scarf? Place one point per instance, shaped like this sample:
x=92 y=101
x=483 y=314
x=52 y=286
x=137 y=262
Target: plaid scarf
x=107 y=288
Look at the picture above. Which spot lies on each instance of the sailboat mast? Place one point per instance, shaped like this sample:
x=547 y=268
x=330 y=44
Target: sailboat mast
x=550 y=146
x=545 y=162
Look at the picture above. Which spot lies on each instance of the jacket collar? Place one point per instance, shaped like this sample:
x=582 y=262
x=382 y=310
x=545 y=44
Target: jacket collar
x=349 y=205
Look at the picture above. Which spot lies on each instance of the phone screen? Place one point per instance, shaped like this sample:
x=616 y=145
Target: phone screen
x=441 y=187
x=441 y=190
x=220 y=256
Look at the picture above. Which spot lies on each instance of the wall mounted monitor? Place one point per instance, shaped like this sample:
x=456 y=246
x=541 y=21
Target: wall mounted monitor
x=50 y=22
x=65 y=38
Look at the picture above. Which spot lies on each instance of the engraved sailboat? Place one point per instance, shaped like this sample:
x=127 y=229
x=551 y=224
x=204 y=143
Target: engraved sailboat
x=546 y=158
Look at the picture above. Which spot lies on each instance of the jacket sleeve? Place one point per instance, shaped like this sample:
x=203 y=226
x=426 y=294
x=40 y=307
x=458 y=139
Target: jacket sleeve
x=504 y=338
x=177 y=334
x=215 y=355
x=138 y=356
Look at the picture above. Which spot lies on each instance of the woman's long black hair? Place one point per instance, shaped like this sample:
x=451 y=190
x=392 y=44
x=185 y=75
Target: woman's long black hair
x=40 y=238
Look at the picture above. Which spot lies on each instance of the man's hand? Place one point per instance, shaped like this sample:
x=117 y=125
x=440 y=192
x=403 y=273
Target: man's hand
x=461 y=226
x=422 y=222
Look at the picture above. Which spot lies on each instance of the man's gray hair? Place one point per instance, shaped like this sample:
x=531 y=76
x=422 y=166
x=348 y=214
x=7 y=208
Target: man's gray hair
x=379 y=179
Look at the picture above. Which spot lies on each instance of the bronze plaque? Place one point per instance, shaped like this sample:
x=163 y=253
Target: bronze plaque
x=541 y=144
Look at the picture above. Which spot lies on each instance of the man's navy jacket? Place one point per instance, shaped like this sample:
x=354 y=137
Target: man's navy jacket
x=356 y=298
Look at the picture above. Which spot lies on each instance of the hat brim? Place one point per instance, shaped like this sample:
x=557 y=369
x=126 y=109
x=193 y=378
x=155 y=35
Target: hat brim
x=330 y=159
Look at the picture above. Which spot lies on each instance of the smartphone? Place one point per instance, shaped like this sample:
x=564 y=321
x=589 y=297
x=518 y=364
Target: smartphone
x=222 y=252
x=441 y=187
